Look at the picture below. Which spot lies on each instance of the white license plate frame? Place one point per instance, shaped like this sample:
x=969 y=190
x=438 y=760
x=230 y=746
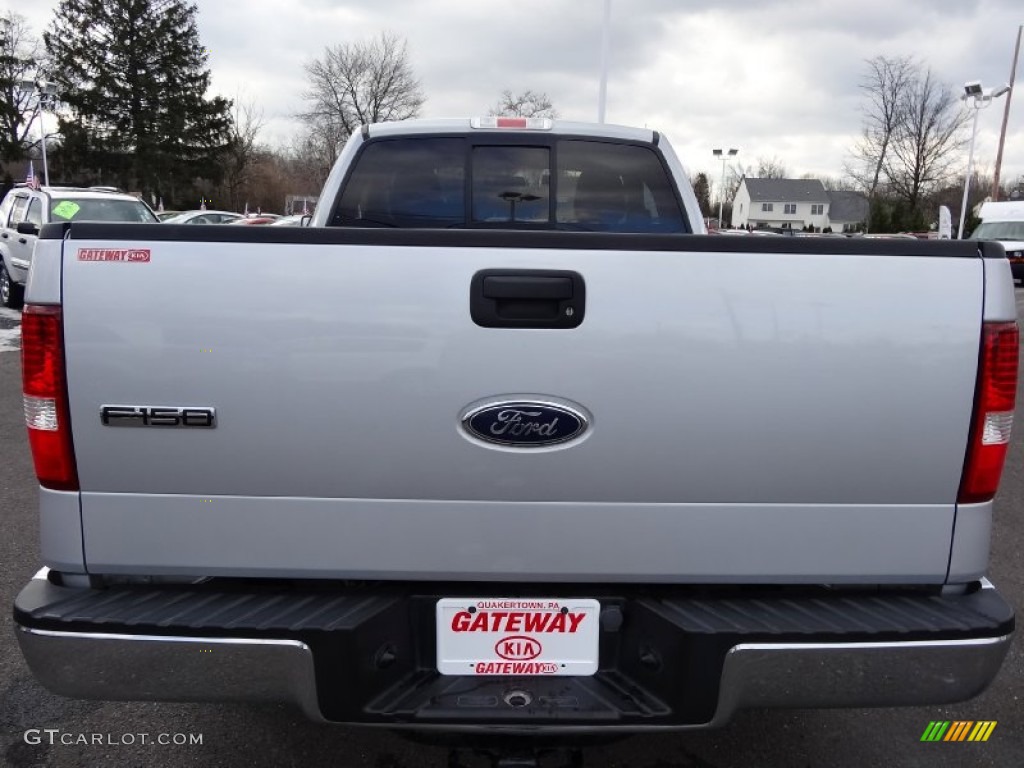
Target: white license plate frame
x=522 y=637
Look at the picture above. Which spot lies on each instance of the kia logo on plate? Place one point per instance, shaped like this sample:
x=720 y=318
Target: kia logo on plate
x=525 y=423
x=517 y=648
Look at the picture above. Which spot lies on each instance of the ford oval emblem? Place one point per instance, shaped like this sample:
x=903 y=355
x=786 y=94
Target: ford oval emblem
x=524 y=423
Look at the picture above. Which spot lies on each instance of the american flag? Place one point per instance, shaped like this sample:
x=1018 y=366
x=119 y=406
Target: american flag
x=30 y=178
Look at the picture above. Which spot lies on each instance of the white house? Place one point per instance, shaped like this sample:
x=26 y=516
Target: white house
x=781 y=203
x=795 y=204
x=846 y=210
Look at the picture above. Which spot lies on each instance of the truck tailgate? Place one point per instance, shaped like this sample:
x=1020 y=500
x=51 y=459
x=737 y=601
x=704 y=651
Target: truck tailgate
x=772 y=417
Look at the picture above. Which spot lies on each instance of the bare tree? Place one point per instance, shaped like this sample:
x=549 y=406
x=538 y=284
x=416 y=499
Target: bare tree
x=525 y=104
x=242 y=149
x=770 y=168
x=886 y=86
x=308 y=159
x=355 y=84
x=833 y=183
x=923 y=149
x=730 y=185
x=315 y=150
x=765 y=168
x=21 y=58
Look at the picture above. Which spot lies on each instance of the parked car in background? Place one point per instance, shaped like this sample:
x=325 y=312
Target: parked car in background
x=1004 y=221
x=165 y=215
x=203 y=217
x=889 y=236
x=25 y=210
x=254 y=220
x=290 y=221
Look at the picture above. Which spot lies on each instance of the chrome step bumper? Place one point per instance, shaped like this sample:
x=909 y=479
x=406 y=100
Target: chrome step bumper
x=165 y=661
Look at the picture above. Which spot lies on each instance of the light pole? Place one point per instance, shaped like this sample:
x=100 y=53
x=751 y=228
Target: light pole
x=47 y=95
x=1006 y=117
x=721 y=188
x=979 y=98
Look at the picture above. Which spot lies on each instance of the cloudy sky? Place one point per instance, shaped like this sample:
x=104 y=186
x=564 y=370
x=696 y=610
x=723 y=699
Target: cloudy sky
x=774 y=78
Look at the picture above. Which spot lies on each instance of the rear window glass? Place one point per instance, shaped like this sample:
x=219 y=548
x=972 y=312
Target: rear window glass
x=511 y=184
x=18 y=214
x=99 y=209
x=614 y=188
x=406 y=183
x=34 y=215
x=570 y=184
x=5 y=209
x=999 y=230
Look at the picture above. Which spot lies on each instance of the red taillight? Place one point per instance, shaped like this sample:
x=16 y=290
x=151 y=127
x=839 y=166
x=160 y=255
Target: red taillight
x=46 y=398
x=993 y=414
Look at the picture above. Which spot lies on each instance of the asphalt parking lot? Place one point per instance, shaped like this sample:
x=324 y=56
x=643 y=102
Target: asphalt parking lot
x=34 y=723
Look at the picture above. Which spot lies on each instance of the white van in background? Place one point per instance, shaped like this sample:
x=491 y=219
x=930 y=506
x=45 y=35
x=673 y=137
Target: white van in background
x=1004 y=221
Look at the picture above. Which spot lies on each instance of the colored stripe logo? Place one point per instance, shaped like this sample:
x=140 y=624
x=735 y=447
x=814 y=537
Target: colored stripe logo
x=959 y=730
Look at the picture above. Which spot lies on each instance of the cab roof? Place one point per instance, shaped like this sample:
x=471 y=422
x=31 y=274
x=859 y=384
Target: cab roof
x=466 y=125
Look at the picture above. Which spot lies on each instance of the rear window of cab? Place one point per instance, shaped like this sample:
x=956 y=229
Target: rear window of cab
x=568 y=184
x=99 y=209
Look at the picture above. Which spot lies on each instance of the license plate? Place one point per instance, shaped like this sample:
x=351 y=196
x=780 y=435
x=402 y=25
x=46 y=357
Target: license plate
x=517 y=636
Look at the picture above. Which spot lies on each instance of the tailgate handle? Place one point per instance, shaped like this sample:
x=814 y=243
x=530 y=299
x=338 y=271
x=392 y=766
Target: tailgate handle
x=521 y=287
x=527 y=298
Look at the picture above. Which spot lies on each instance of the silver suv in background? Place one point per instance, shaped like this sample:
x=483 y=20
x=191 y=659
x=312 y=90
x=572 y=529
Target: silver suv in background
x=203 y=216
x=25 y=210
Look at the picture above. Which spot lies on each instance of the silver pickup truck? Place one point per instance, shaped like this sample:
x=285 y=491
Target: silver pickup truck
x=505 y=441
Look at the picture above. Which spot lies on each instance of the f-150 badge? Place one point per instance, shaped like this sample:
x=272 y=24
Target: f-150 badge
x=524 y=423
x=157 y=416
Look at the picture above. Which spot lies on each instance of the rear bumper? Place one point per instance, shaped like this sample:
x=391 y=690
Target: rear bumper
x=365 y=655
